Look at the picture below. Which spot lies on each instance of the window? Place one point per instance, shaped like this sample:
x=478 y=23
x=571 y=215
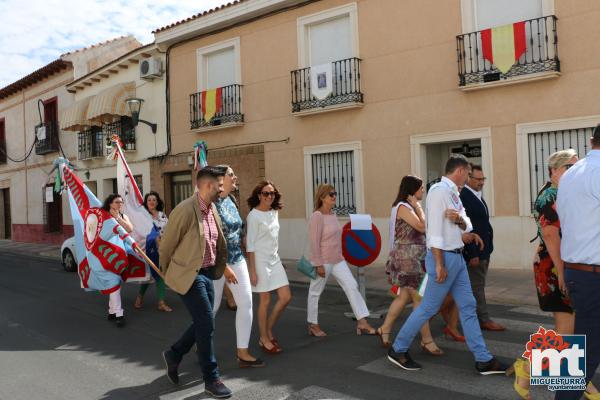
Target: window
x=91 y=143
x=138 y=181
x=328 y=36
x=483 y=14
x=93 y=186
x=542 y=144
x=49 y=143
x=2 y=142
x=536 y=141
x=340 y=166
x=219 y=65
x=52 y=210
x=181 y=187
x=124 y=129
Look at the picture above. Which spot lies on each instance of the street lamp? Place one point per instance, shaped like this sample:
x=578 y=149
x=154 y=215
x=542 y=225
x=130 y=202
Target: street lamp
x=135 y=106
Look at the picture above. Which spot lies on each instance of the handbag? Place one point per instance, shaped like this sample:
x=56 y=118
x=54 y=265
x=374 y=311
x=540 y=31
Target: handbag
x=306 y=268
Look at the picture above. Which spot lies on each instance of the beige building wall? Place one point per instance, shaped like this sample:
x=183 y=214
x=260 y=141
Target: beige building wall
x=27 y=179
x=409 y=78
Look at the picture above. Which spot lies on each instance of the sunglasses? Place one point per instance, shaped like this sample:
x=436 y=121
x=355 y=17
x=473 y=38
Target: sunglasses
x=268 y=194
x=567 y=166
x=230 y=174
x=332 y=194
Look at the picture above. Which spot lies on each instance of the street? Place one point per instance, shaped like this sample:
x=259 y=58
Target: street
x=55 y=343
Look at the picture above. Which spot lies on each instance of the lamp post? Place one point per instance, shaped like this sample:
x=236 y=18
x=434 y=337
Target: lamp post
x=135 y=106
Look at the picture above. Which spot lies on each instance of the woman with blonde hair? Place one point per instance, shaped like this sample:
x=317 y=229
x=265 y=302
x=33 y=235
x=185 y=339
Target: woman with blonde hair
x=325 y=238
x=548 y=266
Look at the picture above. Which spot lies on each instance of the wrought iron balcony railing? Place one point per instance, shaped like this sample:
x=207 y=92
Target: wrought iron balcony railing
x=228 y=110
x=345 y=86
x=541 y=54
x=50 y=143
x=91 y=143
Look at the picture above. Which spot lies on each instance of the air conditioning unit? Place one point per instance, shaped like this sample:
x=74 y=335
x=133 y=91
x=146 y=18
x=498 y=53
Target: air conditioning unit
x=150 y=68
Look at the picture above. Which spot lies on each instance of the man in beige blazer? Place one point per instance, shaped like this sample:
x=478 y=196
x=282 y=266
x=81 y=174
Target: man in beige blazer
x=193 y=252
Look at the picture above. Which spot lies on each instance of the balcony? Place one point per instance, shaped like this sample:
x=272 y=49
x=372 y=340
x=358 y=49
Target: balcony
x=50 y=143
x=539 y=61
x=345 y=91
x=228 y=109
x=91 y=143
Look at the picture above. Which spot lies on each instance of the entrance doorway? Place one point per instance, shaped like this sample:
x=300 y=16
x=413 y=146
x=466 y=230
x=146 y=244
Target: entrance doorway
x=437 y=155
x=5 y=221
x=430 y=151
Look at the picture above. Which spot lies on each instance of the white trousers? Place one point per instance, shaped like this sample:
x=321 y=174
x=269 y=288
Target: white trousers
x=242 y=293
x=114 y=303
x=346 y=280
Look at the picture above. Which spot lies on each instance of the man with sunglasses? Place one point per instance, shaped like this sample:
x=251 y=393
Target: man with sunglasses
x=578 y=208
x=478 y=259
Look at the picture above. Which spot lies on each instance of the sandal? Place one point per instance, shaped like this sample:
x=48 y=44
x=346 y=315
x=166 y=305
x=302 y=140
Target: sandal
x=315 y=330
x=162 y=306
x=139 y=302
x=370 y=331
x=273 y=350
x=437 y=352
x=384 y=337
x=520 y=369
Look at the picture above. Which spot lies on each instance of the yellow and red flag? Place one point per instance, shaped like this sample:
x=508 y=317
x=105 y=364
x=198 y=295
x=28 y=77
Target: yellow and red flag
x=503 y=45
x=211 y=103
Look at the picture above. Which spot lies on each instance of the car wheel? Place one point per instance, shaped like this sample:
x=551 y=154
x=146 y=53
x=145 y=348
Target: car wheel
x=69 y=263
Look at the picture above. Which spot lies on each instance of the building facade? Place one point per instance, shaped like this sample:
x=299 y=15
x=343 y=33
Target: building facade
x=31 y=139
x=410 y=85
x=100 y=111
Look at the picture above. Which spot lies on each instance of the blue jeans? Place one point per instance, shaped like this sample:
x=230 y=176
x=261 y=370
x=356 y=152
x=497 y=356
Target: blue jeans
x=584 y=291
x=199 y=302
x=458 y=284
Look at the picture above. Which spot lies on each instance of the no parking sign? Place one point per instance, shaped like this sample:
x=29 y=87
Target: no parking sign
x=361 y=245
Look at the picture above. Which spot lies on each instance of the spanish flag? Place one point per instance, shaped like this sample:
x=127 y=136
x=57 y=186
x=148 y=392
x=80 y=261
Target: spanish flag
x=503 y=45
x=211 y=103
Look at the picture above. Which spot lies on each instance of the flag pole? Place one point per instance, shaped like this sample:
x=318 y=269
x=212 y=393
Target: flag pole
x=138 y=250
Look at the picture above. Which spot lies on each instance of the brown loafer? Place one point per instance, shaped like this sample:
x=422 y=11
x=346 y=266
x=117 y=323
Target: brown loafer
x=492 y=326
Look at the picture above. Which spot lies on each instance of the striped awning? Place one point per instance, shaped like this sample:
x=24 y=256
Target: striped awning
x=74 y=118
x=109 y=105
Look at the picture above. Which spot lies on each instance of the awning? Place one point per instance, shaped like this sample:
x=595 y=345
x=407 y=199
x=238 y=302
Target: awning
x=109 y=105
x=74 y=118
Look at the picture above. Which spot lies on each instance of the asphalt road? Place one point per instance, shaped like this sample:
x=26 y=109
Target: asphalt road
x=55 y=343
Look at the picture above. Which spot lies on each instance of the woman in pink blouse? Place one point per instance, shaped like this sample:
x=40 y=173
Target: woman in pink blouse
x=325 y=235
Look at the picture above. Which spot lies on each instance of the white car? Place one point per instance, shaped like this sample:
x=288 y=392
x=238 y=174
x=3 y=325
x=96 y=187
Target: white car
x=67 y=254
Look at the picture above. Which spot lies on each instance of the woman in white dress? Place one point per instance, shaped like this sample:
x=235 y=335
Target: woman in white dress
x=266 y=271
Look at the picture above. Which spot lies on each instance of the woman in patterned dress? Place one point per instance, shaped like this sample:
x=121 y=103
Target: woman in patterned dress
x=155 y=206
x=548 y=266
x=406 y=263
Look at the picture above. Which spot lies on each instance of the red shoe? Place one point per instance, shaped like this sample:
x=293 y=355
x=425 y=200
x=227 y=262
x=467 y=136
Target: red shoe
x=492 y=326
x=273 y=350
x=451 y=335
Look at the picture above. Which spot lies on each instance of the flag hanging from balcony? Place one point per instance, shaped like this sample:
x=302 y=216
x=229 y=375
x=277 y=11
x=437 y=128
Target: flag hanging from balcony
x=211 y=103
x=503 y=45
x=321 y=80
x=103 y=249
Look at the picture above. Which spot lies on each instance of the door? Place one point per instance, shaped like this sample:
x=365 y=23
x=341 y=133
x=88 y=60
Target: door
x=5 y=211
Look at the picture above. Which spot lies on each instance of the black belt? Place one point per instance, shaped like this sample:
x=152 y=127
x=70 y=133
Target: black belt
x=456 y=251
x=205 y=270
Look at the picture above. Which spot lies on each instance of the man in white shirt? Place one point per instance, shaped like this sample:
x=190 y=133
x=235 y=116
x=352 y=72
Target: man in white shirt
x=578 y=207
x=447 y=272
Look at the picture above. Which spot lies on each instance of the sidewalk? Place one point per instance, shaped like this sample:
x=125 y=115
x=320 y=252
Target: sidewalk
x=504 y=286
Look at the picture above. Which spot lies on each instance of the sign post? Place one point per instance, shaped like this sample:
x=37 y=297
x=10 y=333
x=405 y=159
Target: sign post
x=361 y=244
